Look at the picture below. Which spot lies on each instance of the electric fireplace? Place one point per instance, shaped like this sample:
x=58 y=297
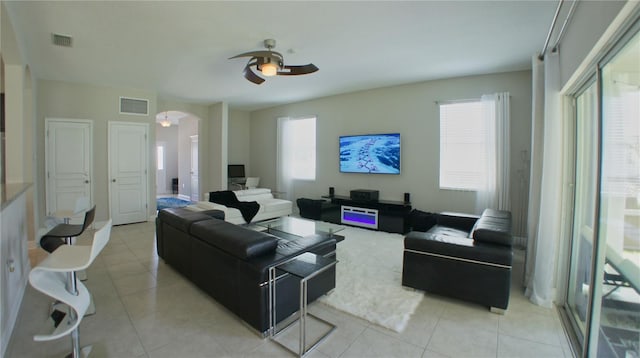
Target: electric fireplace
x=359 y=217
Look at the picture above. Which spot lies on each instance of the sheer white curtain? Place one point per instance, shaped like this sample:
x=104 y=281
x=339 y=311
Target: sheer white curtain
x=284 y=181
x=545 y=191
x=495 y=190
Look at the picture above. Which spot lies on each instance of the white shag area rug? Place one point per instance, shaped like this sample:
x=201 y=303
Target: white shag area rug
x=369 y=279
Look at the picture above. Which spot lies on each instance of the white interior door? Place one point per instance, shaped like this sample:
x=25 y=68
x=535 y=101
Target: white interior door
x=128 y=168
x=69 y=162
x=195 y=192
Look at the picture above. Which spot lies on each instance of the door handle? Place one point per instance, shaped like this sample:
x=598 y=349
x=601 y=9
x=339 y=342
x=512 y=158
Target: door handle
x=86 y=182
x=113 y=180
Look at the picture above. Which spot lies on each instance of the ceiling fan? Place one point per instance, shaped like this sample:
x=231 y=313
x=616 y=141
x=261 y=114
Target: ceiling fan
x=271 y=63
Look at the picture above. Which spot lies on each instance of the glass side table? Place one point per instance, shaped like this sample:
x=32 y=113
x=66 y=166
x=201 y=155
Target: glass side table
x=304 y=267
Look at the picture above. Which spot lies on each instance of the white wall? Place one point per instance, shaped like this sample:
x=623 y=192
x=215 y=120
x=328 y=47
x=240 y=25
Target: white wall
x=100 y=104
x=588 y=23
x=410 y=110
x=240 y=139
x=214 y=148
x=188 y=127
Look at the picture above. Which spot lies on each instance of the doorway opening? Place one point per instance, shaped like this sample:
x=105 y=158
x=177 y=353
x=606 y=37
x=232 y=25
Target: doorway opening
x=176 y=151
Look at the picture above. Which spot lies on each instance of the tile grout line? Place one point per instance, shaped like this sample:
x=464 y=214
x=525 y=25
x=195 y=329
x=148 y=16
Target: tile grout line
x=146 y=353
x=352 y=342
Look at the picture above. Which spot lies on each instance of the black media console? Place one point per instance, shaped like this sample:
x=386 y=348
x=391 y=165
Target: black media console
x=383 y=215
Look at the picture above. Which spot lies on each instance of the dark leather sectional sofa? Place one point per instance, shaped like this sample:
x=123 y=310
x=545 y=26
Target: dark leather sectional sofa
x=231 y=262
x=462 y=256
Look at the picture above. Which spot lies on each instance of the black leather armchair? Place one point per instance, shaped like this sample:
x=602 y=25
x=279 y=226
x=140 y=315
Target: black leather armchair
x=463 y=256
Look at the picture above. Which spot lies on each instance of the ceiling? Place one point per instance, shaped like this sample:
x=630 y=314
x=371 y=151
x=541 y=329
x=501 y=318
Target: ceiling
x=181 y=49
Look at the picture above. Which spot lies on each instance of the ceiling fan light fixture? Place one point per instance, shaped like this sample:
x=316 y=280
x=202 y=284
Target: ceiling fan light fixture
x=270 y=63
x=269 y=69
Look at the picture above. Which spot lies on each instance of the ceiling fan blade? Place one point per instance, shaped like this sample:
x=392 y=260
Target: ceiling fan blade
x=298 y=70
x=248 y=74
x=254 y=54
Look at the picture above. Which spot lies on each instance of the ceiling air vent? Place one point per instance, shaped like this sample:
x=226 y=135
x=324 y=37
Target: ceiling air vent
x=134 y=106
x=61 y=40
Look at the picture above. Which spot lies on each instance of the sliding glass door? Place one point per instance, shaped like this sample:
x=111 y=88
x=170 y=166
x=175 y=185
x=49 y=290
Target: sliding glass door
x=584 y=204
x=603 y=296
x=615 y=330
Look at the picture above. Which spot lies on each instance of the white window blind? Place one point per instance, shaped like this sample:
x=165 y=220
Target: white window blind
x=462 y=145
x=621 y=164
x=303 y=146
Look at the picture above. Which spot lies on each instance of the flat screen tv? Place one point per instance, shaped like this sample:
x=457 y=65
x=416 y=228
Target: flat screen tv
x=235 y=170
x=370 y=153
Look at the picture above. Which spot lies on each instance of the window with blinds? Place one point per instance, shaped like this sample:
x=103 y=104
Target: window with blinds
x=462 y=145
x=303 y=148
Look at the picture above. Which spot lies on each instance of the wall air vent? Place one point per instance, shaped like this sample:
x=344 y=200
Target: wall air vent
x=61 y=40
x=135 y=106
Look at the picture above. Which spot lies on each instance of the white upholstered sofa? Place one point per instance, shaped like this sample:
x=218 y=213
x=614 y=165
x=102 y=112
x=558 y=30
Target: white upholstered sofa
x=270 y=207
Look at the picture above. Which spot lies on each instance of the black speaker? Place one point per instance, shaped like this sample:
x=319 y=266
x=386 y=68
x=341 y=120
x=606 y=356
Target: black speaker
x=407 y=198
x=364 y=195
x=331 y=191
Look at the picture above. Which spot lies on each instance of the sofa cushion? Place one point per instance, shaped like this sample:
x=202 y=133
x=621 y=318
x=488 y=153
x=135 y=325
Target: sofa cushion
x=260 y=198
x=422 y=221
x=502 y=214
x=459 y=221
x=493 y=230
x=249 y=192
x=238 y=241
x=456 y=247
x=232 y=213
x=215 y=213
x=276 y=205
x=206 y=205
x=182 y=218
x=447 y=231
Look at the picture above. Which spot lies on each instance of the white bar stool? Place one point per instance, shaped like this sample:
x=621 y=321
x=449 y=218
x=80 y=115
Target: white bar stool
x=65 y=233
x=49 y=277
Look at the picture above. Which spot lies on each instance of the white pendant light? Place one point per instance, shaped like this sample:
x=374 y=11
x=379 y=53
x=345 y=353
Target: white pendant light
x=165 y=122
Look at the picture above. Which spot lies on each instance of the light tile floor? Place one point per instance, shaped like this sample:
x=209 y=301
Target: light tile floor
x=146 y=309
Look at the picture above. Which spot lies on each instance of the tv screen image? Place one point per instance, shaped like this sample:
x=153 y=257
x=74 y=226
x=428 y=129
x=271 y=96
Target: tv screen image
x=371 y=153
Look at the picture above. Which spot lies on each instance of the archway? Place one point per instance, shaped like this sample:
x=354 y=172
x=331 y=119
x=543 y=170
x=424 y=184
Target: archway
x=177 y=172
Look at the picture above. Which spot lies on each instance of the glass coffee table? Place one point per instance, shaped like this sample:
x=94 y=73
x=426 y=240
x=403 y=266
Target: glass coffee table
x=301 y=227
